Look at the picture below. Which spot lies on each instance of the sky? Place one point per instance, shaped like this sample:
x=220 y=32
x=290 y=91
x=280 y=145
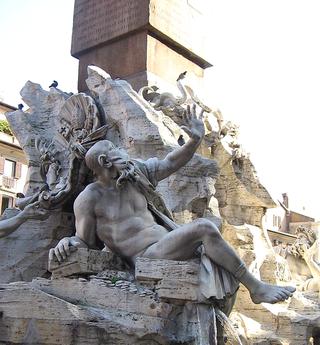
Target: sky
x=265 y=78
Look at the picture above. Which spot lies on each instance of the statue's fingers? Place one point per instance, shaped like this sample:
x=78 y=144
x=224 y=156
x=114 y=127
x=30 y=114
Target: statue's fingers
x=186 y=129
x=61 y=251
x=74 y=243
x=189 y=113
x=184 y=115
x=51 y=254
x=186 y=118
x=194 y=112
x=57 y=254
x=66 y=247
x=201 y=114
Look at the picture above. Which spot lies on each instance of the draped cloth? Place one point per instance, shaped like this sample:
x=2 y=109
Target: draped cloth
x=215 y=282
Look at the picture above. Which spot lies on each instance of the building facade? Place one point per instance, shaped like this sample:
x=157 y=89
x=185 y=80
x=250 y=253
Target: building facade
x=13 y=163
x=281 y=222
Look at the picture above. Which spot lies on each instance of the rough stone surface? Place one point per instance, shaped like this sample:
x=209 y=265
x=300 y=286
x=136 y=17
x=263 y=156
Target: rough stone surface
x=32 y=316
x=24 y=253
x=93 y=311
x=85 y=261
x=172 y=280
x=290 y=323
x=242 y=198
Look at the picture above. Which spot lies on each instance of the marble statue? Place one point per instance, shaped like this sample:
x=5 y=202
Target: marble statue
x=123 y=210
x=32 y=211
x=307 y=246
x=61 y=153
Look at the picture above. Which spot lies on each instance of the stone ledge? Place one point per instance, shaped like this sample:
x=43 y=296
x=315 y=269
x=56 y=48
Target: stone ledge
x=172 y=280
x=85 y=261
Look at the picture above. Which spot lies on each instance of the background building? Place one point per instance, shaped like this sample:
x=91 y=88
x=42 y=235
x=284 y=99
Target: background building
x=281 y=222
x=13 y=163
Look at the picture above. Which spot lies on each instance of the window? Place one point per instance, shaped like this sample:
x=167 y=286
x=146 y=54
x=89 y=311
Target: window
x=6 y=201
x=279 y=221
x=9 y=168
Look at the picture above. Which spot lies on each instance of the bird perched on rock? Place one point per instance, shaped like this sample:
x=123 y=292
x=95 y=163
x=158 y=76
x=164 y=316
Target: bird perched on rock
x=54 y=84
x=182 y=76
x=20 y=106
x=181 y=141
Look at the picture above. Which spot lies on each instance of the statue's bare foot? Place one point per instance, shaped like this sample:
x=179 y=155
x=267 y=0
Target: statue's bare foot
x=268 y=293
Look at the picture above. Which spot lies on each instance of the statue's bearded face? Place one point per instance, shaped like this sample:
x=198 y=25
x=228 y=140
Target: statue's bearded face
x=123 y=169
x=110 y=162
x=301 y=244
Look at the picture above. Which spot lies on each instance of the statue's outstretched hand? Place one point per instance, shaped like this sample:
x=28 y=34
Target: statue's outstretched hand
x=63 y=249
x=194 y=126
x=35 y=211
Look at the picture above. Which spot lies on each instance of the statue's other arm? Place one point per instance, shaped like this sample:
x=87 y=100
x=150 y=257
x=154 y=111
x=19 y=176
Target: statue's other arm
x=85 y=218
x=85 y=236
x=32 y=211
x=176 y=159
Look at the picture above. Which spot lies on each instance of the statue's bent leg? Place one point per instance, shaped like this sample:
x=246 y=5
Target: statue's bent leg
x=181 y=244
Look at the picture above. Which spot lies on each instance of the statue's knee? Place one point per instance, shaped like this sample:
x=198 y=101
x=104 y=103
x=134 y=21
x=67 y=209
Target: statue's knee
x=207 y=228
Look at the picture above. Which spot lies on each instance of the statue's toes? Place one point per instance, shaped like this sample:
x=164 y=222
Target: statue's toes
x=291 y=289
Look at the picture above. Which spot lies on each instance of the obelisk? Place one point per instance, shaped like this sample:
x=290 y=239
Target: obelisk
x=140 y=40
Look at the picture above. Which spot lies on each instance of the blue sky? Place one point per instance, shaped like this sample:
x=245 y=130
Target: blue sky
x=266 y=77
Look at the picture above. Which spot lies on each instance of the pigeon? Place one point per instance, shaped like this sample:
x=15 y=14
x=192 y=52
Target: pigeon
x=54 y=84
x=181 y=141
x=20 y=106
x=182 y=76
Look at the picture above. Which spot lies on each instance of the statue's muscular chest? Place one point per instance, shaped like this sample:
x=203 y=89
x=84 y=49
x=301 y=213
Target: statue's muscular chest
x=120 y=204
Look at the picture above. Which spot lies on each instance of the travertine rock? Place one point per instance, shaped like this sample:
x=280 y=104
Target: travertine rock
x=242 y=198
x=288 y=323
x=24 y=253
x=85 y=261
x=172 y=280
x=32 y=316
x=69 y=311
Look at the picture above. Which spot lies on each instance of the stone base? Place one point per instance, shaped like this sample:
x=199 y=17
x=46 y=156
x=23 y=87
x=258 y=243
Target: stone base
x=109 y=308
x=85 y=261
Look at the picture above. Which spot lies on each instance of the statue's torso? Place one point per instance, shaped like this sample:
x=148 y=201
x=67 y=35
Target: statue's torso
x=124 y=222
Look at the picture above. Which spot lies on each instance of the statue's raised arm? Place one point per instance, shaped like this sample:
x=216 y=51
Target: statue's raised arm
x=176 y=159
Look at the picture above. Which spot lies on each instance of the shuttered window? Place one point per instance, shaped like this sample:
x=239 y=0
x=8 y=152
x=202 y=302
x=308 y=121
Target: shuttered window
x=2 y=165
x=17 y=173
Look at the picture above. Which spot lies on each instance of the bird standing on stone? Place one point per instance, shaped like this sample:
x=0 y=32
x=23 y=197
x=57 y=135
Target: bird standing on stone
x=20 y=106
x=181 y=141
x=54 y=84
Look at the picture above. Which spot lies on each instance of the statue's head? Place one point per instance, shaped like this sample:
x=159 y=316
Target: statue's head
x=109 y=162
x=304 y=233
x=305 y=239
